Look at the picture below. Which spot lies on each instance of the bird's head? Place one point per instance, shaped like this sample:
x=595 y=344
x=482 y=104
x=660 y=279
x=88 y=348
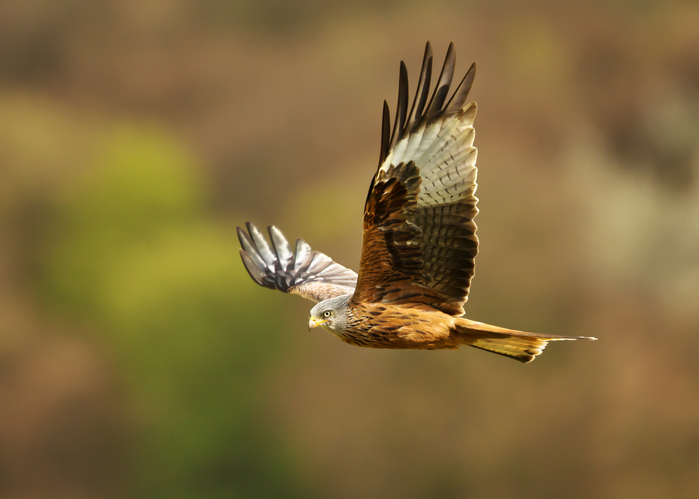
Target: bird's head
x=330 y=314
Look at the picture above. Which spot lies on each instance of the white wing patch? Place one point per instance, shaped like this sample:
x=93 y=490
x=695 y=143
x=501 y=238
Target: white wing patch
x=445 y=156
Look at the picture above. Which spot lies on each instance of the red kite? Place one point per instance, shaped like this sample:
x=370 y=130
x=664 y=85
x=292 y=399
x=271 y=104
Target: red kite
x=419 y=244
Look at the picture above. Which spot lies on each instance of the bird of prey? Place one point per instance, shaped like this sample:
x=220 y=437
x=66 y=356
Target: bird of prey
x=419 y=242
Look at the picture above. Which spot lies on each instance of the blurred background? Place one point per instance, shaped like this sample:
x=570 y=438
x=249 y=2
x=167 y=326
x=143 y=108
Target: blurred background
x=137 y=358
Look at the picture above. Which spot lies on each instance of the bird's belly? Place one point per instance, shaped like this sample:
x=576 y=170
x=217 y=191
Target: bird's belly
x=384 y=326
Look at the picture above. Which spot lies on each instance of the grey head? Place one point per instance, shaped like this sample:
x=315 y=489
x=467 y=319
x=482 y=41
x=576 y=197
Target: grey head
x=331 y=314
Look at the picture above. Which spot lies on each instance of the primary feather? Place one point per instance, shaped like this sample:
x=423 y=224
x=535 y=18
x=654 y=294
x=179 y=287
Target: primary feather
x=310 y=274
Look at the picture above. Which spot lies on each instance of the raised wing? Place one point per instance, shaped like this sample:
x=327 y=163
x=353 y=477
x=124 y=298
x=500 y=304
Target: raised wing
x=419 y=244
x=305 y=272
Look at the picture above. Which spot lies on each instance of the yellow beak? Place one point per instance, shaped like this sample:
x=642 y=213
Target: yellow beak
x=315 y=322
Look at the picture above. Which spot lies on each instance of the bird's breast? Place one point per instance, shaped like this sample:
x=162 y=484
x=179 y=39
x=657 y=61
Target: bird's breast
x=378 y=325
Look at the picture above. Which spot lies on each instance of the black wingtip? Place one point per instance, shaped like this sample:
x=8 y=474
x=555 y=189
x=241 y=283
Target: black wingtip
x=458 y=100
x=385 y=132
x=443 y=83
x=402 y=105
x=423 y=87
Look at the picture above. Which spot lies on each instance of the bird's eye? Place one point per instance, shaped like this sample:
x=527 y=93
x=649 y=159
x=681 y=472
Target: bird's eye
x=327 y=314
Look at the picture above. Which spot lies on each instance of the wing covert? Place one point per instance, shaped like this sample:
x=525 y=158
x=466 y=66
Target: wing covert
x=304 y=272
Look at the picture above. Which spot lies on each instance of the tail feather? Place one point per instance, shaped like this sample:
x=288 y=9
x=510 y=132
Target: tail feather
x=518 y=345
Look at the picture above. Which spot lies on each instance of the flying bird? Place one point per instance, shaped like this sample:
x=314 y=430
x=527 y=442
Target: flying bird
x=419 y=238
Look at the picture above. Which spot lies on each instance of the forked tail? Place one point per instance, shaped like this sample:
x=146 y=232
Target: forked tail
x=514 y=344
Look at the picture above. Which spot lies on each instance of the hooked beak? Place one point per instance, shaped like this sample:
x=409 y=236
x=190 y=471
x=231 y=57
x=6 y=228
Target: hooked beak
x=315 y=322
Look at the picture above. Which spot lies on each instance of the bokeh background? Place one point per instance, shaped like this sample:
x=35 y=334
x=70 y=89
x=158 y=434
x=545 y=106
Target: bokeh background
x=138 y=360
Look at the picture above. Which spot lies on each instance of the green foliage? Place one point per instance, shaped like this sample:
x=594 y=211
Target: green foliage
x=193 y=340
x=198 y=345
x=141 y=182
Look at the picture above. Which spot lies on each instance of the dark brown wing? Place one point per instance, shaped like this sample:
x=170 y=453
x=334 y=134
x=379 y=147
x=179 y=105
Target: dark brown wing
x=420 y=241
x=307 y=273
